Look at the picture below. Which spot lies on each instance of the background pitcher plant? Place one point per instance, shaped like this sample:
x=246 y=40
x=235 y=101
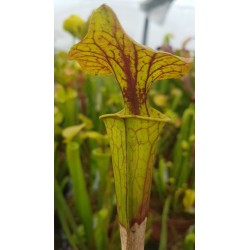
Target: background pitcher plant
x=133 y=132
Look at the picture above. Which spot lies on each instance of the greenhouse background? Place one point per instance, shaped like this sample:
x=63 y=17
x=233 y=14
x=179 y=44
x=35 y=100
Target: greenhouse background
x=85 y=199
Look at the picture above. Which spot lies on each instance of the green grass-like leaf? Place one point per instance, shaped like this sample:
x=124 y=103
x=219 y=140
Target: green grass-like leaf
x=81 y=196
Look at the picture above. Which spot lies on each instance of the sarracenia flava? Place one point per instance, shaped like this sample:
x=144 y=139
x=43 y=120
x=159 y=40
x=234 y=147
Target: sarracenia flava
x=134 y=131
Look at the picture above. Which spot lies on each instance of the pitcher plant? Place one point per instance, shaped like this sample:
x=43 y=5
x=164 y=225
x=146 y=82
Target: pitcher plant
x=133 y=132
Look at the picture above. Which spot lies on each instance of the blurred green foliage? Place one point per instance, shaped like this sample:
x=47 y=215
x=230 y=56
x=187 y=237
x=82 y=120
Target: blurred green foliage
x=85 y=212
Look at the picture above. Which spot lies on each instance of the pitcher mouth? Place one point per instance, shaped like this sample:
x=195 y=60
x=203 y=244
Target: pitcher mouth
x=119 y=115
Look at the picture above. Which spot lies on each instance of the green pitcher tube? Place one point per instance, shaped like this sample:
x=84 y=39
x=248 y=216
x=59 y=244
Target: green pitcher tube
x=133 y=141
x=102 y=163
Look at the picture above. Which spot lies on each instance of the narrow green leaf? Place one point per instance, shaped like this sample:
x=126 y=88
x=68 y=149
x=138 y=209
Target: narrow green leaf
x=102 y=162
x=66 y=218
x=81 y=196
x=183 y=148
x=163 y=238
x=101 y=231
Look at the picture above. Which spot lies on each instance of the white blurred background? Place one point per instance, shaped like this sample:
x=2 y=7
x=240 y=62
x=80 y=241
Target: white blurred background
x=179 y=20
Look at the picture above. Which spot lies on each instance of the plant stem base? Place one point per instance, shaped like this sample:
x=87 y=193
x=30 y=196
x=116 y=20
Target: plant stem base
x=133 y=239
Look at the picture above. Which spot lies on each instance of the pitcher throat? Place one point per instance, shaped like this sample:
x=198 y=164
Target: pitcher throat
x=133 y=238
